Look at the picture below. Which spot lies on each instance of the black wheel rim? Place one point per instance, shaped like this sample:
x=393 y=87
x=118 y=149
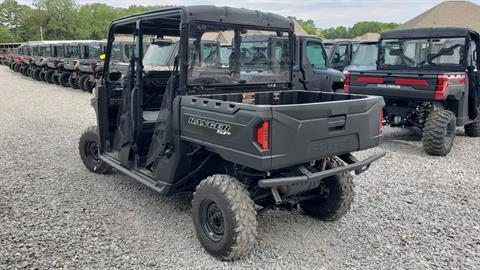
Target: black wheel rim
x=211 y=218
x=91 y=151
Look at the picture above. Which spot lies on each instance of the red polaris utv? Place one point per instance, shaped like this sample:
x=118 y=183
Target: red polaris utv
x=429 y=79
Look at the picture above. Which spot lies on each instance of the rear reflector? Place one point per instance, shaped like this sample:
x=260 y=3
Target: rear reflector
x=346 y=83
x=411 y=82
x=370 y=80
x=263 y=135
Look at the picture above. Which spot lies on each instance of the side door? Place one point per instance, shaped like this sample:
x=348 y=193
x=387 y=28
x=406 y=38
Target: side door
x=341 y=56
x=313 y=62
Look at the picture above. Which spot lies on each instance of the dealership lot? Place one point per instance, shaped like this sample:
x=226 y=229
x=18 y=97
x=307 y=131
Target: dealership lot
x=411 y=210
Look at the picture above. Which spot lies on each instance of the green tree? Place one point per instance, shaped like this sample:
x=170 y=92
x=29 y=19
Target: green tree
x=356 y=30
x=308 y=25
x=12 y=17
x=96 y=19
x=6 y=36
x=56 y=19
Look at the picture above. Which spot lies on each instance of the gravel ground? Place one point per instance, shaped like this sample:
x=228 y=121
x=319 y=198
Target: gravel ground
x=411 y=211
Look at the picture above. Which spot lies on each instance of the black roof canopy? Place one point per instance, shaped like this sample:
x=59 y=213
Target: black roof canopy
x=436 y=32
x=172 y=17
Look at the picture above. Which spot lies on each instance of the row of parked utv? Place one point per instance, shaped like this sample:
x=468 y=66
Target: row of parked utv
x=76 y=64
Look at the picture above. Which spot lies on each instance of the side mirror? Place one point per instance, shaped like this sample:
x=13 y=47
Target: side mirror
x=103 y=56
x=114 y=76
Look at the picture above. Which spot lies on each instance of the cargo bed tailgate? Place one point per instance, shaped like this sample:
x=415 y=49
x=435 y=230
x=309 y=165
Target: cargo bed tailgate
x=306 y=132
x=401 y=84
x=301 y=126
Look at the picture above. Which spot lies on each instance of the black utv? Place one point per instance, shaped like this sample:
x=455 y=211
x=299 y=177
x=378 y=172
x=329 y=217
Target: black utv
x=52 y=63
x=84 y=67
x=239 y=138
x=65 y=67
x=429 y=79
x=43 y=53
x=340 y=52
x=121 y=52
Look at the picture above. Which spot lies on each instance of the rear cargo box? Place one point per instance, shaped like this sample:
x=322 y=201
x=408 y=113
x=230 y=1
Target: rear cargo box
x=303 y=125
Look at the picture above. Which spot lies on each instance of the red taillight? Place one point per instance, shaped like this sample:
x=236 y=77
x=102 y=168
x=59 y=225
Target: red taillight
x=346 y=83
x=30 y=59
x=411 y=82
x=20 y=58
x=263 y=135
x=55 y=62
x=370 y=80
x=444 y=80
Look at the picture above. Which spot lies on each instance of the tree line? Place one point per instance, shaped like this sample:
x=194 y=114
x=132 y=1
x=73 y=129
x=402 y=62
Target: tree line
x=59 y=20
x=342 y=32
x=66 y=19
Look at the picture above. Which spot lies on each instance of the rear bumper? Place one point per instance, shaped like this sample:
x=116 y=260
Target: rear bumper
x=353 y=165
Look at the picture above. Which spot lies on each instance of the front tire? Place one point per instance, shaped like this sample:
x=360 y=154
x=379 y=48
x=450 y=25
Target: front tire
x=49 y=76
x=88 y=85
x=335 y=195
x=72 y=81
x=56 y=78
x=439 y=132
x=224 y=216
x=88 y=149
x=63 y=79
x=36 y=74
x=81 y=82
x=473 y=129
x=42 y=76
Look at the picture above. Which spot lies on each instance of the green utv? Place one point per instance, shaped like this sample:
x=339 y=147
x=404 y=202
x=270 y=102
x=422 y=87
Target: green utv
x=234 y=134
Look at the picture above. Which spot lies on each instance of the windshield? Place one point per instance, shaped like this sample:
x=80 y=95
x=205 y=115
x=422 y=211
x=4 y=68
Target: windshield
x=366 y=54
x=94 y=51
x=225 y=52
x=418 y=53
x=256 y=56
x=116 y=53
x=59 y=51
x=45 y=51
x=73 y=51
x=158 y=56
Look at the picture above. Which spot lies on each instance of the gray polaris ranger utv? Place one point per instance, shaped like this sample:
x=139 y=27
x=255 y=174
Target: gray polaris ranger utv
x=235 y=135
x=429 y=79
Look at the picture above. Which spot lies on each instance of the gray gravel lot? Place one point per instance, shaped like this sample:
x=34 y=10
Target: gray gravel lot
x=411 y=211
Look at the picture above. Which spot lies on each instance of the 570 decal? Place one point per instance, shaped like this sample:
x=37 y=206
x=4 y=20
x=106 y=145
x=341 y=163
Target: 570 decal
x=221 y=128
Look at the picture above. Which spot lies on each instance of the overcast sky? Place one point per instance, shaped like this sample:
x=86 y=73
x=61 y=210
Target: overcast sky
x=325 y=13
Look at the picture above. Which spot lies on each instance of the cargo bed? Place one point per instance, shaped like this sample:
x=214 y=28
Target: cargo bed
x=302 y=125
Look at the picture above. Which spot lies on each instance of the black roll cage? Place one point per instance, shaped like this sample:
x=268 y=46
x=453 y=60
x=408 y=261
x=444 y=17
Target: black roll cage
x=183 y=33
x=471 y=36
